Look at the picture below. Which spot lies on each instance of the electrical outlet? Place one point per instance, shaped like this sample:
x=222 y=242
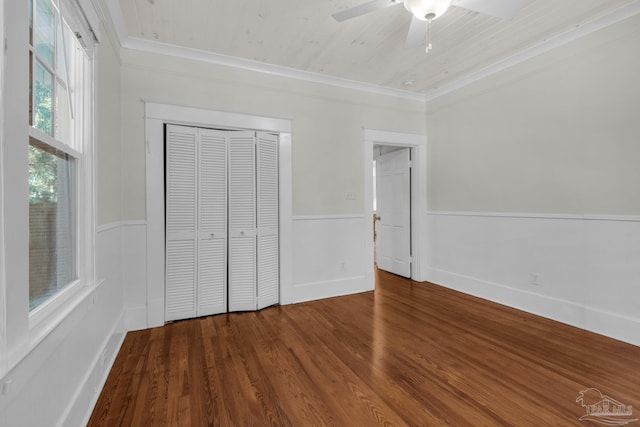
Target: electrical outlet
x=534 y=279
x=343 y=266
x=4 y=388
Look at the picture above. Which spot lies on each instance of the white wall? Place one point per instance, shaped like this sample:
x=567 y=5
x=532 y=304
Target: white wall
x=327 y=123
x=555 y=134
x=327 y=161
x=108 y=149
x=534 y=170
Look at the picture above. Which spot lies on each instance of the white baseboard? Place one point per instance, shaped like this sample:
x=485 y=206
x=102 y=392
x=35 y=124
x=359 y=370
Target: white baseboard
x=331 y=288
x=84 y=400
x=612 y=325
x=155 y=313
x=135 y=318
x=117 y=340
x=615 y=326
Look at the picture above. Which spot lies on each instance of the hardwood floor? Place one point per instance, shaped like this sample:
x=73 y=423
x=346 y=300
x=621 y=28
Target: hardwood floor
x=410 y=354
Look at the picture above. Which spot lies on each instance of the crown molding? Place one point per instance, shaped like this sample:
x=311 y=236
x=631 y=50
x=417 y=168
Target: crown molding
x=547 y=45
x=261 y=67
x=134 y=43
x=186 y=53
x=117 y=20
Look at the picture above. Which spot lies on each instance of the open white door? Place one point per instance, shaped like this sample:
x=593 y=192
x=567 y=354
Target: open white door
x=393 y=187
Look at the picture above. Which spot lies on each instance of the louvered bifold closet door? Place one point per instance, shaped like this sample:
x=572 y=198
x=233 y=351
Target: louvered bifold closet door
x=267 y=216
x=181 y=222
x=242 y=221
x=212 y=223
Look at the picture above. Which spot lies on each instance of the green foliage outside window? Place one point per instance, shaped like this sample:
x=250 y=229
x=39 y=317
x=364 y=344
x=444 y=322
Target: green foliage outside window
x=43 y=172
x=43 y=107
x=42 y=164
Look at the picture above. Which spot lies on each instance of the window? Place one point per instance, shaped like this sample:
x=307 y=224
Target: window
x=59 y=146
x=52 y=222
x=46 y=169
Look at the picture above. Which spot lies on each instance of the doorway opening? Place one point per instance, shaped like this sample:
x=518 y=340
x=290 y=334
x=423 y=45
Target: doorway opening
x=392 y=209
x=416 y=145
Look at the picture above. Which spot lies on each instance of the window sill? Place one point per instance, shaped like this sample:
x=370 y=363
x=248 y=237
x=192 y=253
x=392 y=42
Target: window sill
x=43 y=320
x=62 y=313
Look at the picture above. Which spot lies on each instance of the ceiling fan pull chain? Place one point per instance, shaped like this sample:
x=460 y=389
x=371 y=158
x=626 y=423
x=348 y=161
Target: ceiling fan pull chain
x=429 y=46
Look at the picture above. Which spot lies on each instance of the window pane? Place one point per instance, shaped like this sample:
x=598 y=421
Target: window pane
x=44 y=81
x=63 y=119
x=52 y=222
x=61 y=63
x=44 y=30
x=30 y=89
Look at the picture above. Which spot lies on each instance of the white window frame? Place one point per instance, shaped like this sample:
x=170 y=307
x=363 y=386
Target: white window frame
x=3 y=276
x=24 y=329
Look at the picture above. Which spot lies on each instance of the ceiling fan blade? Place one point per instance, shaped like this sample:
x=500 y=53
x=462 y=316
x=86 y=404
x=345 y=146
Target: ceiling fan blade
x=364 y=9
x=505 y=9
x=416 y=34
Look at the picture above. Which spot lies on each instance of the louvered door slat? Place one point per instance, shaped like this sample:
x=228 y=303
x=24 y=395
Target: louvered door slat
x=181 y=181
x=242 y=222
x=181 y=224
x=268 y=273
x=212 y=222
x=267 y=220
x=242 y=197
x=212 y=277
x=180 y=279
x=242 y=274
x=213 y=181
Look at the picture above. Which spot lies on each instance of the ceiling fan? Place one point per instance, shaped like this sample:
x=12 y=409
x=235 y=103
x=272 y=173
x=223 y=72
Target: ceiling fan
x=429 y=10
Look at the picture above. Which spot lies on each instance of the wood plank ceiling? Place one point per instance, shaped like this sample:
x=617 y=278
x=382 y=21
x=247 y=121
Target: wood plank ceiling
x=301 y=34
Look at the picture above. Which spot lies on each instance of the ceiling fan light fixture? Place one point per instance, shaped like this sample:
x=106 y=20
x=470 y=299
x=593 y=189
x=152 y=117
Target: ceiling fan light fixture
x=427 y=10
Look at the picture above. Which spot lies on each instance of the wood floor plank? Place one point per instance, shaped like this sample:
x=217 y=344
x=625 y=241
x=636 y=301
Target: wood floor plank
x=408 y=354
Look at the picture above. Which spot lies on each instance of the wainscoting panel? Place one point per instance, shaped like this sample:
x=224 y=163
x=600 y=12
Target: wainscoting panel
x=134 y=269
x=329 y=257
x=66 y=370
x=580 y=270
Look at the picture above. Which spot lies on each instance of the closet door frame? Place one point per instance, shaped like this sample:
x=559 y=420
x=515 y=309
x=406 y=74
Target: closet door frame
x=156 y=116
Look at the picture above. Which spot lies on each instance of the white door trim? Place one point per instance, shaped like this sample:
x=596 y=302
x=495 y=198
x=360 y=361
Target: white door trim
x=418 y=145
x=156 y=115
